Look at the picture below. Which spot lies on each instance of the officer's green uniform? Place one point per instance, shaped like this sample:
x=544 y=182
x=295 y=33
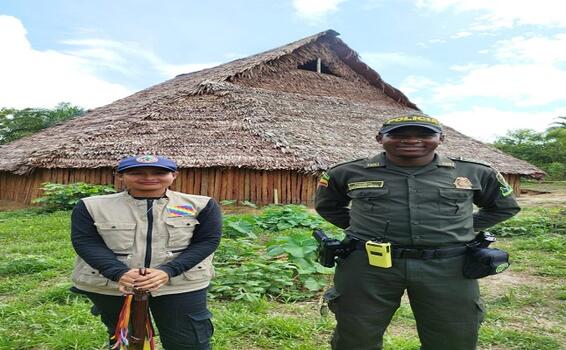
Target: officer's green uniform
x=421 y=207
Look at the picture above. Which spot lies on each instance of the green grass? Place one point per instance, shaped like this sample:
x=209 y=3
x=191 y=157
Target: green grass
x=525 y=306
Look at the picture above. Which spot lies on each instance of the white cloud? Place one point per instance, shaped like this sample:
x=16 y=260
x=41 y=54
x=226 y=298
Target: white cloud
x=460 y=35
x=522 y=84
x=172 y=70
x=118 y=56
x=33 y=78
x=486 y=124
x=380 y=60
x=539 y=50
x=529 y=72
x=315 y=10
x=505 y=13
x=414 y=83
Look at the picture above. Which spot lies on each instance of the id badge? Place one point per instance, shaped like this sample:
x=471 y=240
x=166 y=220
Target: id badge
x=379 y=254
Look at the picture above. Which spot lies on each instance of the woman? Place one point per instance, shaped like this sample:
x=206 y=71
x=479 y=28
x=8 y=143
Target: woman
x=171 y=234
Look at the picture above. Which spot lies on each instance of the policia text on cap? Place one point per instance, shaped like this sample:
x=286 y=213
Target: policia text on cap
x=409 y=212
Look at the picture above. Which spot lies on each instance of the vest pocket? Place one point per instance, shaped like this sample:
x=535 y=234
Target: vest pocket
x=202 y=271
x=118 y=236
x=85 y=274
x=180 y=231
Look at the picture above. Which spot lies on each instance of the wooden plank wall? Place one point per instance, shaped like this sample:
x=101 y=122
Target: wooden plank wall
x=220 y=183
x=515 y=182
x=256 y=186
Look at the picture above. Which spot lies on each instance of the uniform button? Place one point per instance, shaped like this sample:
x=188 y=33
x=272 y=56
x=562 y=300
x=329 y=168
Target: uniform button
x=415 y=222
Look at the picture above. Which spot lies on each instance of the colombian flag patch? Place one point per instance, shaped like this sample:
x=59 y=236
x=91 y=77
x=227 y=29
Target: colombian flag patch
x=324 y=180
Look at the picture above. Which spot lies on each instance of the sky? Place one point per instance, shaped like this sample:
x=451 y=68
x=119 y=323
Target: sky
x=483 y=67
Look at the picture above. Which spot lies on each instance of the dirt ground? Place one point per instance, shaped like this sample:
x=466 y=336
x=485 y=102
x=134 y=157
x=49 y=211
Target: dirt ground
x=546 y=200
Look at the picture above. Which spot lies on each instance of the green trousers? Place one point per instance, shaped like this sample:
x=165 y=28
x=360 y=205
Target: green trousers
x=446 y=306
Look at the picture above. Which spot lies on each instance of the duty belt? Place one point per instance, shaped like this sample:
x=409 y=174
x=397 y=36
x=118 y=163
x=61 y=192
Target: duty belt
x=400 y=252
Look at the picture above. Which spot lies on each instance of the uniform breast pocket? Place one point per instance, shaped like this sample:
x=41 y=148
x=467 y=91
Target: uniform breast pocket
x=455 y=201
x=180 y=231
x=369 y=198
x=118 y=236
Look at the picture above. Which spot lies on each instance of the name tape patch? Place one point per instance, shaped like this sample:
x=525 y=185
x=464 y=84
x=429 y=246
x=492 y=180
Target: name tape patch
x=364 y=184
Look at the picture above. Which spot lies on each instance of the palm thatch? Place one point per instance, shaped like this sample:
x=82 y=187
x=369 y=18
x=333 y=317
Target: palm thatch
x=269 y=111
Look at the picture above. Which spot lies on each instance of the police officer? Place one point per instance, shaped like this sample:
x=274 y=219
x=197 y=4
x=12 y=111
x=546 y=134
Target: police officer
x=171 y=234
x=422 y=204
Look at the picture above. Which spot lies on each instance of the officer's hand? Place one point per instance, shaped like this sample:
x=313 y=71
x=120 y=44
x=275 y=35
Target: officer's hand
x=152 y=281
x=126 y=282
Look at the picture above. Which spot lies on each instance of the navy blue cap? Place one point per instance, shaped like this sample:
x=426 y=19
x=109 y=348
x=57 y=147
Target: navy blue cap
x=146 y=161
x=411 y=120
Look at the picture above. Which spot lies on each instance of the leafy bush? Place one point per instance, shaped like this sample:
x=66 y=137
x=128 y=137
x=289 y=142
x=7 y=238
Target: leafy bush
x=244 y=272
x=239 y=226
x=287 y=270
x=278 y=218
x=299 y=248
x=65 y=197
x=537 y=223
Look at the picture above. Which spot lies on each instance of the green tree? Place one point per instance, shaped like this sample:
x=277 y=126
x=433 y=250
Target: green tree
x=558 y=124
x=17 y=123
x=546 y=150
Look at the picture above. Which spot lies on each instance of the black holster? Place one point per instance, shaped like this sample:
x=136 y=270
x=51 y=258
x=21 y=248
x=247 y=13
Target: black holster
x=329 y=248
x=482 y=261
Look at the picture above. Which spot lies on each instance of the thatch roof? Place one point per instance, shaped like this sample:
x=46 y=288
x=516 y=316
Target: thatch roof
x=259 y=112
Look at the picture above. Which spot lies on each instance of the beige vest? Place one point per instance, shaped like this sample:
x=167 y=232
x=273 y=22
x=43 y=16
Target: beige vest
x=122 y=223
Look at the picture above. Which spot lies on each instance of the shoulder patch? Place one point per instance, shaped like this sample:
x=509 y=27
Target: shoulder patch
x=324 y=180
x=475 y=161
x=504 y=187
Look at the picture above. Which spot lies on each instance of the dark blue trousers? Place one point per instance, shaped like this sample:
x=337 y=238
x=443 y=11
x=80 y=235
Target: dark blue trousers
x=182 y=320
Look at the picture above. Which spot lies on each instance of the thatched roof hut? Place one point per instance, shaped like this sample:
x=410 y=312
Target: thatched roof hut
x=256 y=128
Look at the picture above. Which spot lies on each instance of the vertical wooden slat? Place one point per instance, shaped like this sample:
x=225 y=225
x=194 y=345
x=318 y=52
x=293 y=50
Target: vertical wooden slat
x=304 y=188
x=198 y=179
x=247 y=195
x=269 y=187
x=293 y=192
x=205 y=179
x=228 y=183
x=253 y=188
x=264 y=182
x=217 y=183
x=258 y=187
x=289 y=187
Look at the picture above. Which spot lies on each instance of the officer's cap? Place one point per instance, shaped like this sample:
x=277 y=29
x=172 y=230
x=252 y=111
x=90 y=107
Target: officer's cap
x=411 y=120
x=146 y=161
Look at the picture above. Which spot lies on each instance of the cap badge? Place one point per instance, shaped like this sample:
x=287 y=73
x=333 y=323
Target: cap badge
x=463 y=182
x=147 y=159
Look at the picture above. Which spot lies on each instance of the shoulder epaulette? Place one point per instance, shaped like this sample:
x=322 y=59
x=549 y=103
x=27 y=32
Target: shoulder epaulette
x=346 y=162
x=475 y=161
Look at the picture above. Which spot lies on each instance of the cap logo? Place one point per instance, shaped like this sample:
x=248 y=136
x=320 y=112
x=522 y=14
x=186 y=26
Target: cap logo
x=412 y=118
x=147 y=159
